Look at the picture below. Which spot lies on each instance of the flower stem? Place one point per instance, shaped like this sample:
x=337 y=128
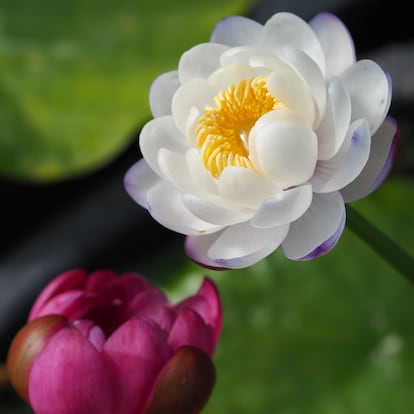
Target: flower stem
x=381 y=243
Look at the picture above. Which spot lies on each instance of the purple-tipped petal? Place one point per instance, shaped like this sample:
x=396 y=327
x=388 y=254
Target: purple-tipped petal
x=317 y=231
x=196 y=248
x=70 y=376
x=334 y=174
x=138 y=180
x=135 y=353
x=190 y=329
x=328 y=244
x=165 y=204
x=235 y=247
x=384 y=151
x=70 y=280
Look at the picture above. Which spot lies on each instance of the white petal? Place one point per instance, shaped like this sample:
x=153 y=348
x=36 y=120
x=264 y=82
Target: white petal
x=336 y=43
x=284 y=207
x=194 y=93
x=161 y=93
x=160 y=133
x=318 y=230
x=235 y=247
x=236 y=31
x=166 y=206
x=267 y=63
x=286 y=152
x=199 y=172
x=334 y=126
x=287 y=29
x=191 y=124
x=370 y=91
x=174 y=168
x=245 y=188
x=188 y=174
x=347 y=164
x=138 y=180
x=200 y=61
x=384 y=145
x=276 y=115
x=196 y=248
x=310 y=72
x=244 y=55
x=292 y=91
x=231 y=75
x=214 y=213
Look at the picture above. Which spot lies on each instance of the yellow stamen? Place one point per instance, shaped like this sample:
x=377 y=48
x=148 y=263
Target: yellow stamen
x=223 y=132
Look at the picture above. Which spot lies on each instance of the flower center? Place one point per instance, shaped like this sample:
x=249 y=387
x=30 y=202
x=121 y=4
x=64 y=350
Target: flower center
x=223 y=132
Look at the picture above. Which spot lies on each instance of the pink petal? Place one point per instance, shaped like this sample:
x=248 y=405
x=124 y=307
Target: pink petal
x=71 y=304
x=70 y=280
x=149 y=304
x=135 y=353
x=190 y=329
x=206 y=302
x=135 y=282
x=112 y=288
x=92 y=332
x=69 y=377
x=99 y=278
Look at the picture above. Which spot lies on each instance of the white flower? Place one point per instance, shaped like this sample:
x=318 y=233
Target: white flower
x=261 y=136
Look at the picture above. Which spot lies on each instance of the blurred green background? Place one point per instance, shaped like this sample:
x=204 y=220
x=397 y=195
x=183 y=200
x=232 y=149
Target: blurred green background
x=330 y=336
x=75 y=75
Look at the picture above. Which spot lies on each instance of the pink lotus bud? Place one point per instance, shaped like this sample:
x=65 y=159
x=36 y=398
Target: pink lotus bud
x=113 y=344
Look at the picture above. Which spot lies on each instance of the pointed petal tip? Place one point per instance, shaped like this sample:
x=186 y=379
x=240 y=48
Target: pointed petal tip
x=70 y=280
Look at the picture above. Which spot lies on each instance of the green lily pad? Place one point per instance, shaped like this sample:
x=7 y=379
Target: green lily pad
x=75 y=76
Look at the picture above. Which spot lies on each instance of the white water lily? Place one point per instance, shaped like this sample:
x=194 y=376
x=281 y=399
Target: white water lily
x=260 y=138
